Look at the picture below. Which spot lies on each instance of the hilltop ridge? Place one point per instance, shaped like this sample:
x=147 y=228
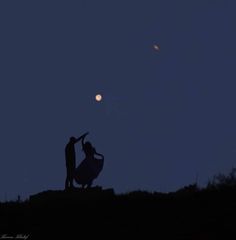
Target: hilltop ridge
x=189 y=213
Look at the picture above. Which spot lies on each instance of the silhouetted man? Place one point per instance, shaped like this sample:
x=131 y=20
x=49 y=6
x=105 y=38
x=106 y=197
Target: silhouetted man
x=71 y=160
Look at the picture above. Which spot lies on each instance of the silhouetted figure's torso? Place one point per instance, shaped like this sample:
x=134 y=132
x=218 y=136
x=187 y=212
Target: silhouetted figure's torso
x=70 y=155
x=70 y=162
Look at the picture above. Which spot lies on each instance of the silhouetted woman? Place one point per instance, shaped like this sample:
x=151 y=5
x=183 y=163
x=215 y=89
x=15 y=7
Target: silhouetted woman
x=90 y=167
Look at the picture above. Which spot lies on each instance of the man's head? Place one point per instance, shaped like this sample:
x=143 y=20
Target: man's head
x=72 y=139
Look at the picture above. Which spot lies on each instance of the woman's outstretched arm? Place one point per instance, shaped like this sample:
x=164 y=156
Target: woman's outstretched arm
x=81 y=137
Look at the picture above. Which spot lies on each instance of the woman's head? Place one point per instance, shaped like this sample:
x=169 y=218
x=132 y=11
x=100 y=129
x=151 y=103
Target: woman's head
x=88 y=148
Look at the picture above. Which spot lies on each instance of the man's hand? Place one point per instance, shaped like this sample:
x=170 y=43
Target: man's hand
x=83 y=136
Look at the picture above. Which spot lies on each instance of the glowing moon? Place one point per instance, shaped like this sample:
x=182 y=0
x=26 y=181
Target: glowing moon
x=156 y=47
x=98 y=97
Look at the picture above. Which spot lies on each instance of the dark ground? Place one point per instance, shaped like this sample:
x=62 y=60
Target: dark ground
x=80 y=214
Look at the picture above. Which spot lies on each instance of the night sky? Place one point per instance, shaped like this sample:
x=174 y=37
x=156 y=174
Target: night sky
x=167 y=117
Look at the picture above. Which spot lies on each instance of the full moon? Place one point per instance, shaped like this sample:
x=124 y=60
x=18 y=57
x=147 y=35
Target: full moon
x=98 y=97
x=156 y=47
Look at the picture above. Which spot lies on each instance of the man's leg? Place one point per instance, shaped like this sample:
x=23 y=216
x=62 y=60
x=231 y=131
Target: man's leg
x=67 y=183
x=68 y=178
x=71 y=178
x=71 y=183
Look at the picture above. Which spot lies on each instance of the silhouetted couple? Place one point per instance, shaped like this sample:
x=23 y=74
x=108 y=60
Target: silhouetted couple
x=88 y=169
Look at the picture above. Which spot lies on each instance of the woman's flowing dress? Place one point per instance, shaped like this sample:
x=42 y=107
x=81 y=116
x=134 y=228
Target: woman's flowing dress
x=88 y=170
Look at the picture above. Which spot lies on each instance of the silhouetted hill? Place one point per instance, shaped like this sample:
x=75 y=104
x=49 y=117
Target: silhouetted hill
x=72 y=196
x=189 y=213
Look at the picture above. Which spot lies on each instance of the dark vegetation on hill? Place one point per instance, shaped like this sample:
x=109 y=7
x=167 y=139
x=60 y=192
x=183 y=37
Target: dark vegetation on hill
x=189 y=213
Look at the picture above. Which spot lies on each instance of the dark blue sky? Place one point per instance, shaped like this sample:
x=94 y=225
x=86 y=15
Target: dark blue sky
x=166 y=116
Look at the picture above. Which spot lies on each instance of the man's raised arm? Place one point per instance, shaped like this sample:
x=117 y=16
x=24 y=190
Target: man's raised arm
x=81 y=137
